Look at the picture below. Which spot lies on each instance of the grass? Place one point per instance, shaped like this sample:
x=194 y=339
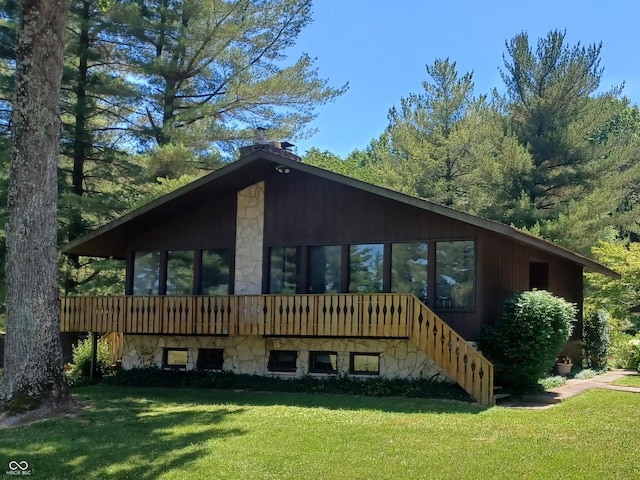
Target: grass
x=629 y=381
x=208 y=434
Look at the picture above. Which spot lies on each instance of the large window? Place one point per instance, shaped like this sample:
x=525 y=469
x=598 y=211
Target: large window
x=324 y=269
x=455 y=275
x=215 y=272
x=146 y=273
x=180 y=272
x=409 y=269
x=283 y=275
x=365 y=268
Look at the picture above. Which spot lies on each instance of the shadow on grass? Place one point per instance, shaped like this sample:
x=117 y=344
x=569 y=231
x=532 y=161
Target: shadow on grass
x=332 y=401
x=121 y=435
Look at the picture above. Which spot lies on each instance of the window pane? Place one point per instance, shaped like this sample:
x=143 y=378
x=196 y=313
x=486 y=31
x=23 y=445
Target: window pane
x=323 y=362
x=283 y=276
x=146 y=272
x=215 y=272
x=365 y=363
x=409 y=269
x=176 y=358
x=324 y=269
x=455 y=275
x=282 y=360
x=210 y=358
x=180 y=273
x=365 y=268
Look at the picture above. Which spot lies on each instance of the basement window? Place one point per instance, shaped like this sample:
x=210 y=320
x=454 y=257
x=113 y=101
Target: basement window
x=365 y=363
x=323 y=362
x=210 y=358
x=174 y=358
x=282 y=360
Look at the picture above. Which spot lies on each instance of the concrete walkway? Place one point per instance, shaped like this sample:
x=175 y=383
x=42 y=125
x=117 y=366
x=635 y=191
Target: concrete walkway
x=571 y=388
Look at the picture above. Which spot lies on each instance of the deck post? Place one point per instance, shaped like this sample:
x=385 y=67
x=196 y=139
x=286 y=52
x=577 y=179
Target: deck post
x=94 y=354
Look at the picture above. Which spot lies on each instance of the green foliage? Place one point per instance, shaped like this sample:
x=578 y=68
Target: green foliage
x=625 y=351
x=525 y=342
x=582 y=148
x=208 y=71
x=587 y=373
x=374 y=387
x=616 y=296
x=555 y=381
x=596 y=338
x=81 y=365
x=553 y=156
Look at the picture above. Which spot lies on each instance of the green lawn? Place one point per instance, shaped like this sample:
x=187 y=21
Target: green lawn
x=629 y=381
x=207 y=434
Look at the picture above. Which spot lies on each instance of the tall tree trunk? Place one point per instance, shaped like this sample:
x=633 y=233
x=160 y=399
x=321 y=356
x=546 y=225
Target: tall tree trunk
x=33 y=358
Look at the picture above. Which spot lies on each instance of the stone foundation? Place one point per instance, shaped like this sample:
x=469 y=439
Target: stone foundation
x=250 y=354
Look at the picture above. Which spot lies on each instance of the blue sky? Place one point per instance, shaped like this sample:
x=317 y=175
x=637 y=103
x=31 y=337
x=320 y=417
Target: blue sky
x=381 y=48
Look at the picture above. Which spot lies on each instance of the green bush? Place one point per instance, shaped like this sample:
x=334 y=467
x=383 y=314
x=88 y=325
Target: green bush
x=547 y=383
x=625 y=351
x=524 y=344
x=597 y=339
x=81 y=365
x=341 y=384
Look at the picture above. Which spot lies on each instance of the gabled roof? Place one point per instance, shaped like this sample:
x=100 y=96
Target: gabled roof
x=109 y=240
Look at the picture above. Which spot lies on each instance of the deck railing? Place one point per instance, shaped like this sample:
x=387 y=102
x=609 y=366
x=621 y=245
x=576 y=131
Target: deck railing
x=341 y=315
x=457 y=357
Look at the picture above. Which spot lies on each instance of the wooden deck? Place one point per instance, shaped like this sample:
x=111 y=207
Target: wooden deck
x=340 y=315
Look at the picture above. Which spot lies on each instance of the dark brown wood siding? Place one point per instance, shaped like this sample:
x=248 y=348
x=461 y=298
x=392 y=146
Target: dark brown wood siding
x=210 y=224
x=304 y=210
x=504 y=266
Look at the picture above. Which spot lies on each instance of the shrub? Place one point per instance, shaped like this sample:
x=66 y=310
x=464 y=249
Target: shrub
x=81 y=365
x=340 y=384
x=597 y=338
x=526 y=341
x=625 y=351
x=547 y=383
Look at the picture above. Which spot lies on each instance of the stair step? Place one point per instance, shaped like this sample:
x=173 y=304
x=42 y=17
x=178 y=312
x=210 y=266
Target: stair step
x=500 y=396
x=497 y=387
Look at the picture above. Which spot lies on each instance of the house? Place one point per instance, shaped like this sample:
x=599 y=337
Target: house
x=269 y=266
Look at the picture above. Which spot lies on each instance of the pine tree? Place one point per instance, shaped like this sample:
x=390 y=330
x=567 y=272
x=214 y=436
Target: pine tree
x=210 y=71
x=33 y=357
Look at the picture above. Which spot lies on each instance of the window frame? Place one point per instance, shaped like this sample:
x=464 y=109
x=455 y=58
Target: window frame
x=352 y=357
x=273 y=362
x=297 y=254
x=169 y=277
x=165 y=358
x=225 y=254
x=427 y=268
x=312 y=363
x=352 y=272
x=200 y=361
x=436 y=299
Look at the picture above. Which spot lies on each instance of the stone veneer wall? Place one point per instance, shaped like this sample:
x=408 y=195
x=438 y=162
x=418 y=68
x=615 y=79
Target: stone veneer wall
x=250 y=354
x=249 y=240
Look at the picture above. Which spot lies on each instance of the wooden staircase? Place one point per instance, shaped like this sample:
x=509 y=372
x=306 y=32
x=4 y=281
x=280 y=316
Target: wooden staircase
x=458 y=358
